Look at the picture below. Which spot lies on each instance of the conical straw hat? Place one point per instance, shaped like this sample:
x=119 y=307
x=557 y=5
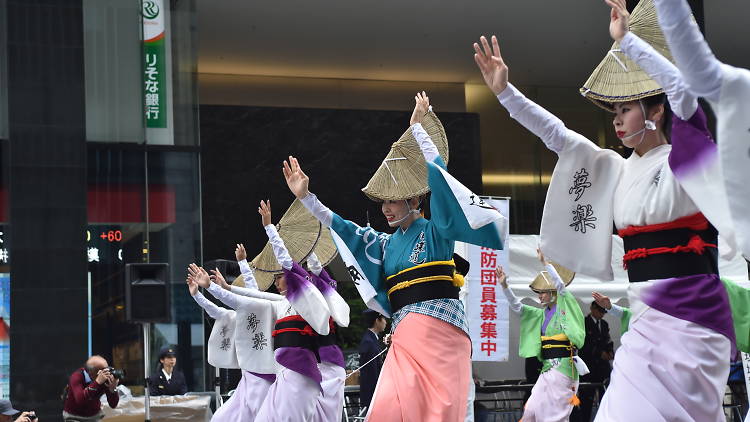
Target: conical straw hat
x=403 y=173
x=543 y=281
x=325 y=249
x=619 y=79
x=300 y=232
x=239 y=281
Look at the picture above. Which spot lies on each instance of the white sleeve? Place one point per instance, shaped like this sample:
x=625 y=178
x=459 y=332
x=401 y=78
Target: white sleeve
x=317 y=209
x=313 y=264
x=556 y=280
x=662 y=71
x=256 y=293
x=226 y=297
x=248 y=275
x=700 y=68
x=536 y=119
x=429 y=150
x=279 y=249
x=616 y=311
x=513 y=302
x=215 y=312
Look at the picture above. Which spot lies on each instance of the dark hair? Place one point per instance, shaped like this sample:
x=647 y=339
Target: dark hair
x=370 y=318
x=598 y=307
x=656 y=100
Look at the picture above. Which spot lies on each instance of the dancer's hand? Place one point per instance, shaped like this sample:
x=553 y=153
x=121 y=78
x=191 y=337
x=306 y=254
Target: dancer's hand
x=501 y=277
x=199 y=275
x=618 y=19
x=602 y=300
x=491 y=64
x=265 y=212
x=296 y=179
x=217 y=278
x=541 y=257
x=239 y=252
x=422 y=105
x=192 y=285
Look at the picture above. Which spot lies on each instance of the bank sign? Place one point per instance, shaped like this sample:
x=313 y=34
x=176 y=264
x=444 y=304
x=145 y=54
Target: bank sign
x=154 y=78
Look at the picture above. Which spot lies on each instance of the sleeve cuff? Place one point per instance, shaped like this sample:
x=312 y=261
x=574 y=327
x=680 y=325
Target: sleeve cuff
x=214 y=288
x=271 y=231
x=507 y=94
x=628 y=41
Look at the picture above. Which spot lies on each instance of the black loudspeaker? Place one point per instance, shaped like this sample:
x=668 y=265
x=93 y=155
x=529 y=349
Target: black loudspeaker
x=147 y=293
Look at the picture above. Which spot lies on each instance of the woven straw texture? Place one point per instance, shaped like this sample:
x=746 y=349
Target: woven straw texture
x=543 y=281
x=300 y=232
x=325 y=248
x=403 y=173
x=619 y=79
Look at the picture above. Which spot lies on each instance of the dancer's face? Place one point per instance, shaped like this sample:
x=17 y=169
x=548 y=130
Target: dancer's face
x=545 y=297
x=394 y=210
x=628 y=120
x=280 y=282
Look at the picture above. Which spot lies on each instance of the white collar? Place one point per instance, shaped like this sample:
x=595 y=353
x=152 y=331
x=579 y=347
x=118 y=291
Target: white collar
x=168 y=376
x=86 y=376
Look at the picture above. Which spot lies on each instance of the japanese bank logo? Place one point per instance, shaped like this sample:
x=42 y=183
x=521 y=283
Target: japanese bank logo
x=150 y=9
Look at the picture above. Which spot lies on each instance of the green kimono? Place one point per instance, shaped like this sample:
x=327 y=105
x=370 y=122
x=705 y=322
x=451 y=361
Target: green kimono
x=567 y=319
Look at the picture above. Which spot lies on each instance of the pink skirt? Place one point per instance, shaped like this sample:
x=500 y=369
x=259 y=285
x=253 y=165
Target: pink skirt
x=550 y=398
x=425 y=377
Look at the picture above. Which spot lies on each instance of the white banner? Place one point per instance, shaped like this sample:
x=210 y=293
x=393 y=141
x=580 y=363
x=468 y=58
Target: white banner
x=486 y=306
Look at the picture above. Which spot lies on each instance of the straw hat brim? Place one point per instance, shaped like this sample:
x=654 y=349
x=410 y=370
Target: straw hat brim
x=403 y=172
x=543 y=282
x=300 y=232
x=325 y=248
x=617 y=78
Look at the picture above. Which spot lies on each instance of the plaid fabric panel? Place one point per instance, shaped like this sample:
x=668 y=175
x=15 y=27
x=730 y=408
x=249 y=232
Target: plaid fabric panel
x=448 y=310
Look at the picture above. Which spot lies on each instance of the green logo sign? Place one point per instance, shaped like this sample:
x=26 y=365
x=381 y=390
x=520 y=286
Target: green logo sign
x=150 y=9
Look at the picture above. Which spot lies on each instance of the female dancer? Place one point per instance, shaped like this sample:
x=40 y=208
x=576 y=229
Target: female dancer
x=681 y=311
x=553 y=335
x=411 y=273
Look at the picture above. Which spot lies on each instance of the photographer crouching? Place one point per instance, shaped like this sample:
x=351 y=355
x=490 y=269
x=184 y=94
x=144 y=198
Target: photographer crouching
x=85 y=388
x=7 y=412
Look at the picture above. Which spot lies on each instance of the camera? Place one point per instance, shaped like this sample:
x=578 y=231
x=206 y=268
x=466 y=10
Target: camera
x=32 y=417
x=117 y=373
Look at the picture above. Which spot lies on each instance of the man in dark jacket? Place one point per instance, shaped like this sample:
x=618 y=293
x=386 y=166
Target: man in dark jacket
x=597 y=351
x=167 y=381
x=369 y=347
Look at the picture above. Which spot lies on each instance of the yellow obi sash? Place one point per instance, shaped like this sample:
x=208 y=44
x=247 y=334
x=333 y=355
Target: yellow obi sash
x=431 y=280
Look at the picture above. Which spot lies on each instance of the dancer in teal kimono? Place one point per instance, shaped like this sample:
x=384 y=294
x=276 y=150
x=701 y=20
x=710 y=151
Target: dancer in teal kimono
x=410 y=274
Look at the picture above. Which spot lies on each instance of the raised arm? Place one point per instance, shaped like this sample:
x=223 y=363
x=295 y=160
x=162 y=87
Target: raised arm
x=279 y=249
x=700 y=68
x=660 y=69
x=422 y=106
x=556 y=280
x=256 y=293
x=536 y=119
x=247 y=273
x=298 y=183
x=314 y=264
x=215 y=312
x=513 y=302
x=230 y=299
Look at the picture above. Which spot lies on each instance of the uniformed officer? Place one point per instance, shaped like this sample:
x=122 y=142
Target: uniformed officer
x=167 y=381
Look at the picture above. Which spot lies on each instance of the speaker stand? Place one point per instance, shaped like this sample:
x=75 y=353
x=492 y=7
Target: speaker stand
x=146 y=367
